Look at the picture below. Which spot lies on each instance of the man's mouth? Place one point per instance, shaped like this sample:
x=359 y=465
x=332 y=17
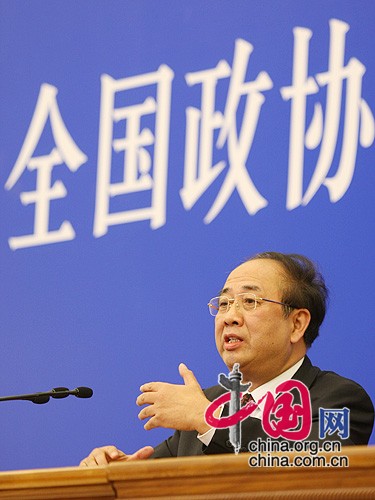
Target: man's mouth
x=231 y=341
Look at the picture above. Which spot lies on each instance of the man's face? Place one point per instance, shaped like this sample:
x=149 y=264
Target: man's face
x=261 y=340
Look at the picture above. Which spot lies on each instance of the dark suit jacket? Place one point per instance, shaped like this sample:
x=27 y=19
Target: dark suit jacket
x=327 y=390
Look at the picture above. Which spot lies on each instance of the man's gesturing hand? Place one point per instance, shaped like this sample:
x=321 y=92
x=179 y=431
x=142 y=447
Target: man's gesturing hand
x=180 y=407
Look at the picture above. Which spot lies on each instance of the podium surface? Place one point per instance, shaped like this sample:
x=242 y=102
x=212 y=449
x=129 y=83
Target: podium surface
x=217 y=477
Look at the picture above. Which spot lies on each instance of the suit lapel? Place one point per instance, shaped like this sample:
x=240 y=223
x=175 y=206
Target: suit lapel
x=306 y=373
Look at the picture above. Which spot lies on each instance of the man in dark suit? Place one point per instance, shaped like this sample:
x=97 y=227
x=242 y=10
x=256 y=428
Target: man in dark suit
x=266 y=317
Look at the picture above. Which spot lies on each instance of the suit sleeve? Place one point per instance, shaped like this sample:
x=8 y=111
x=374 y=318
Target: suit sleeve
x=167 y=448
x=330 y=391
x=180 y=444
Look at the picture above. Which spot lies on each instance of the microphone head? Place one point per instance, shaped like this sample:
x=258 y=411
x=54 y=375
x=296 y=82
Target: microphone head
x=83 y=392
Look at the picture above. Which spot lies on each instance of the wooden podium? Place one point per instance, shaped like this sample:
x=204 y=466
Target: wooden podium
x=218 y=477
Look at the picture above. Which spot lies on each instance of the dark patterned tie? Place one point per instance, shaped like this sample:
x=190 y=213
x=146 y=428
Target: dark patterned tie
x=246 y=398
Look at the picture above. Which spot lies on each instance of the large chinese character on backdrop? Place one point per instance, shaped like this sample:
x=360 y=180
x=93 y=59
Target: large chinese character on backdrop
x=137 y=159
x=323 y=131
x=202 y=123
x=65 y=151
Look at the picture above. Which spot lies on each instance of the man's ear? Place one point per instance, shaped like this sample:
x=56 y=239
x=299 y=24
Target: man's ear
x=301 y=320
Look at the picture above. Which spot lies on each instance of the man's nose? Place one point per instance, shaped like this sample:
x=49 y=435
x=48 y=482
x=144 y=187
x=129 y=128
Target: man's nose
x=234 y=314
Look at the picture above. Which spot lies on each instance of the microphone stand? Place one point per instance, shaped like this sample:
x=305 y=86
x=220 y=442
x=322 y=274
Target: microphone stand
x=44 y=397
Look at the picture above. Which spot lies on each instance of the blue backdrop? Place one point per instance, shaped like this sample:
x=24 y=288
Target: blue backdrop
x=146 y=149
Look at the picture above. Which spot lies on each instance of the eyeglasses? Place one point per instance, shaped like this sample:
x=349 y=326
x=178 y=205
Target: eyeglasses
x=248 y=301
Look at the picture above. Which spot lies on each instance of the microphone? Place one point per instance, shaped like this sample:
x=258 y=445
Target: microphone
x=56 y=393
x=82 y=392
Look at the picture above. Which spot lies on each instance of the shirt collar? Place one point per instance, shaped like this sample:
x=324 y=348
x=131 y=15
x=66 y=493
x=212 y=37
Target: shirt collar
x=271 y=385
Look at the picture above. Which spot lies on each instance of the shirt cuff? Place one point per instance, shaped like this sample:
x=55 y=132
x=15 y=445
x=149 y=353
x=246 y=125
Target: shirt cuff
x=207 y=436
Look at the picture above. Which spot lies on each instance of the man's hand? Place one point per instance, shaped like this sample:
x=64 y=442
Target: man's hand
x=107 y=454
x=172 y=406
